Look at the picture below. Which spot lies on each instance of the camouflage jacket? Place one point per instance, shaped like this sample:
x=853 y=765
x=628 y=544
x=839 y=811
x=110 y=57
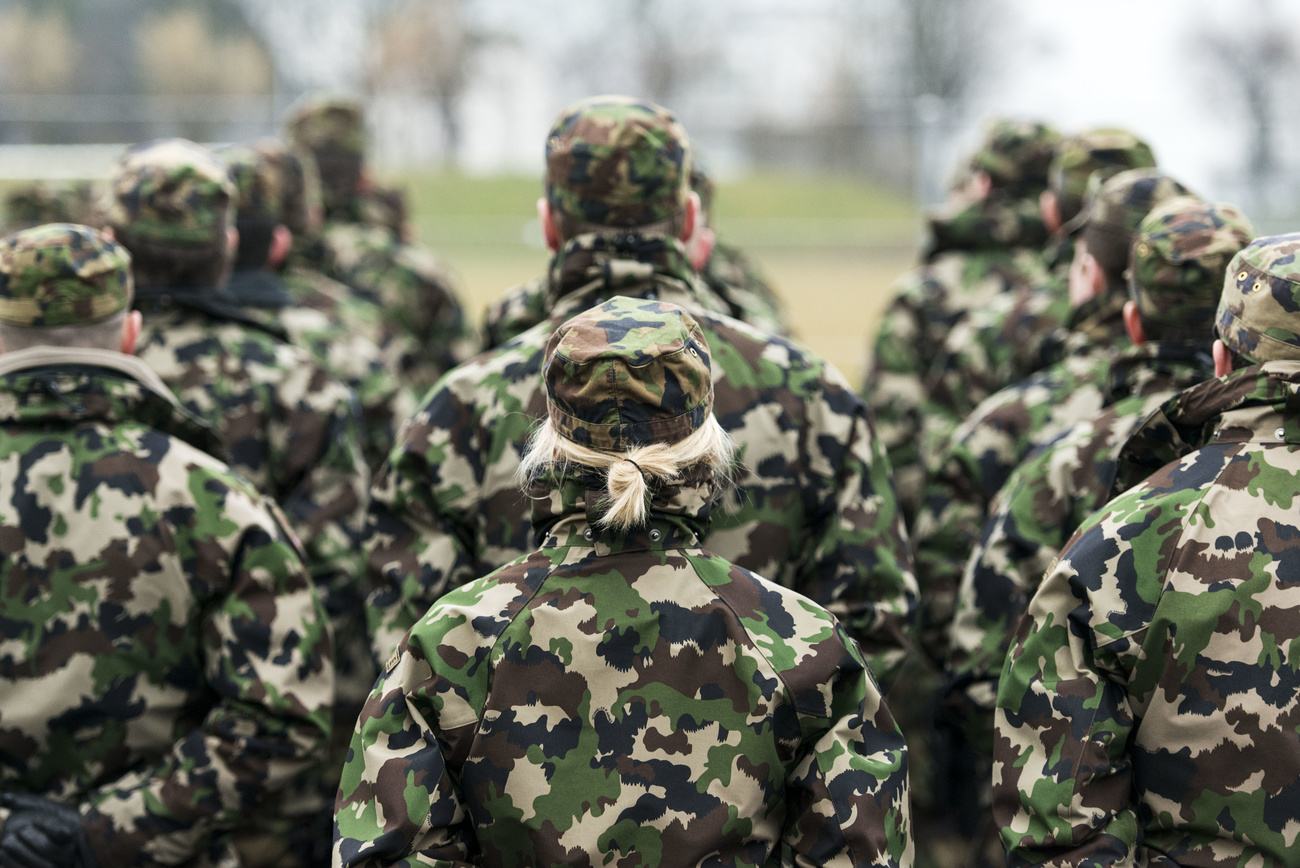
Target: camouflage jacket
x=416 y=293
x=970 y=265
x=814 y=507
x=1149 y=709
x=520 y=720
x=530 y=303
x=989 y=445
x=1042 y=503
x=750 y=298
x=167 y=663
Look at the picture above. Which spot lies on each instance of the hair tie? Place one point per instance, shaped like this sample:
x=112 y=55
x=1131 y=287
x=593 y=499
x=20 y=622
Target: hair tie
x=634 y=464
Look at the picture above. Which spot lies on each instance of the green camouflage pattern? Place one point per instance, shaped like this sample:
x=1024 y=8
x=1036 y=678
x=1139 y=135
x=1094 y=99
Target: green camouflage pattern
x=35 y=203
x=171 y=191
x=1117 y=206
x=813 y=508
x=1261 y=292
x=739 y=282
x=617 y=161
x=730 y=275
x=260 y=184
x=625 y=699
x=1148 y=711
x=1016 y=155
x=622 y=374
x=349 y=355
x=327 y=122
x=1105 y=151
x=1051 y=493
x=301 y=207
x=167 y=663
x=417 y=294
x=1179 y=258
x=975 y=462
x=62 y=274
x=929 y=302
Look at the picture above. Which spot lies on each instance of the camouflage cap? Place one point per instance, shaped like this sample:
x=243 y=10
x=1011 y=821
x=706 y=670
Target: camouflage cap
x=1016 y=155
x=1102 y=150
x=1259 y=311
x=330 y=123
x=62 y=274
x=1179 y=256
x=1115 y=209
x=301 y=208
x=703 y=186
x=259 y=184
x=628 y=373
x=172 y=191
x=618 y=162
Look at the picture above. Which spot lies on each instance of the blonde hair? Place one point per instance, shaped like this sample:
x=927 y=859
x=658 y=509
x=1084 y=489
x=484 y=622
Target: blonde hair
x=628 y=483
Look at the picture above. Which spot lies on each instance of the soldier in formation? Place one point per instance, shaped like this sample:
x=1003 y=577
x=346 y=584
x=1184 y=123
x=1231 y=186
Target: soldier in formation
x=624 y=687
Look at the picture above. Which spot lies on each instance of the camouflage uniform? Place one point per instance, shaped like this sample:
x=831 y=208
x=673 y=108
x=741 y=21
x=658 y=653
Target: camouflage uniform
x=993 y=440
x=978 y=250
x=415 y=291
x=1179 y=257
x=1147 y=711
x=814 y=508
x=729 y=274
x=261 y=293
x=568 y=709
x=39 y=202
x=167 y=663
x=1016 y=334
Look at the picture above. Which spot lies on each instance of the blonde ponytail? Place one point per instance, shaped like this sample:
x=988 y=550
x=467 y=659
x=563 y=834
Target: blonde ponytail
x=628 y=475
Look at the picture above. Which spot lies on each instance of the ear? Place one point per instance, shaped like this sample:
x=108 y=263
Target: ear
x=1222 y=361
x=131 y=332
x=691 y=216
x=1050 y=209
x=1133 y=323
x=549 y=232
x=700 y=246
x=109 y=233
x=980 y=184
x=281 y=243
x=232 y=240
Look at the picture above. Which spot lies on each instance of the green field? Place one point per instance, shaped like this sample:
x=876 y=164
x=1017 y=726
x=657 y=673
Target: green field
x=831 y=246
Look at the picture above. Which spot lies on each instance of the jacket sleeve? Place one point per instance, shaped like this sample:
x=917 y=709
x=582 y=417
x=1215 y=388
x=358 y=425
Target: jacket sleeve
x=861 y=565
x=397 y=804
x=847 y=793
x=267 y=662
x=1062 y=781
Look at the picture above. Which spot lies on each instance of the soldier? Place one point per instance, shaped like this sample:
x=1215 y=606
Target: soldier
x=1149 y=711
x=1018 y=333
x=286 y=424
x=361 y=249
x=984 y=242
x=167 y=661
x=640 y=698
x=258 y=289
x=1002 y=430
x=39 y=202
x=814 y=509
x=1175 y=278
x=722 y=268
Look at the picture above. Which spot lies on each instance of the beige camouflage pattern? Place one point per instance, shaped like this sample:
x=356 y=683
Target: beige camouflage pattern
x=171 y=191
x=1257 y=313
x=62 y=274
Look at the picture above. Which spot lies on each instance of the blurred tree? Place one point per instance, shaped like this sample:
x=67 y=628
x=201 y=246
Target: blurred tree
x=315 y=45
x=424 y=48
x=947 y=46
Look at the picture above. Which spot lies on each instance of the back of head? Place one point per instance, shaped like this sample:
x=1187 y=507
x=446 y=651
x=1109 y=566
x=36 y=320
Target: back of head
x=1115 y=208
x=1078 y=158
x=171 y=204
x=617 y=163
x=629 y=391
x=62 y=284
x=332 y=128
x=1016 y=156
x=1179 y=256
x=301 y=209
x=1259 y=311
x=259 y=202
